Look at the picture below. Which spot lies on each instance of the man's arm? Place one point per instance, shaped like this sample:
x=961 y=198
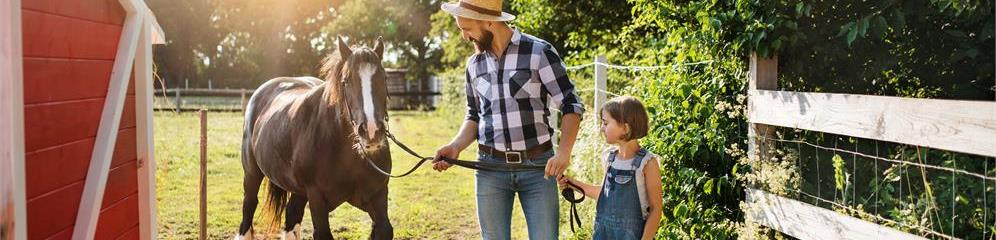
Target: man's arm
x=570 y=123
x=467 y=133
x=569 y=132
x=553 y=76
x=466 y=136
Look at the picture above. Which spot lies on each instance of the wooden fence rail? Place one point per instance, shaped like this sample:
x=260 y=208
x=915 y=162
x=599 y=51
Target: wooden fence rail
x=178 y=96
x=953 y=125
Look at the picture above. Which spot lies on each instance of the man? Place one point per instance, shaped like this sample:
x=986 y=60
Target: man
x=509 y=82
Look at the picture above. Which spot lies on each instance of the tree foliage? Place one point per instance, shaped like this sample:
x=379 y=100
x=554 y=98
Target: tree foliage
x=912 y=48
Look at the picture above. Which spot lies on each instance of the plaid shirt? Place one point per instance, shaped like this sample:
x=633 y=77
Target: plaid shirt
x=508 y=97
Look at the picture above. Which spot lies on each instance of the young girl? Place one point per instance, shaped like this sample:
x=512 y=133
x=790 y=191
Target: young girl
x=629 y=199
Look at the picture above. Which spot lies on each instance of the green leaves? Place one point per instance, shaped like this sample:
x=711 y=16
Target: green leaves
x=840 y=175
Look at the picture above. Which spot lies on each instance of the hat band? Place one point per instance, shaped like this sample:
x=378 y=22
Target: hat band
x=480 y=9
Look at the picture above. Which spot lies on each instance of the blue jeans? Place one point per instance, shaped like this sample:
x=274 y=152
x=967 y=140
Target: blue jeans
x=539 y=198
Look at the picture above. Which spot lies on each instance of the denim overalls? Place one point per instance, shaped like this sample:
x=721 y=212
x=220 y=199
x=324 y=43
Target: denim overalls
x=618 y=213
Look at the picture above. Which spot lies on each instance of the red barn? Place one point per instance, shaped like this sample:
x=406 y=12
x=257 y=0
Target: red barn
x=76 y=118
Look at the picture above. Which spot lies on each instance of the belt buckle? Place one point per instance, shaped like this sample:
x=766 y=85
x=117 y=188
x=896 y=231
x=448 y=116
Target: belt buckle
x=513 y=157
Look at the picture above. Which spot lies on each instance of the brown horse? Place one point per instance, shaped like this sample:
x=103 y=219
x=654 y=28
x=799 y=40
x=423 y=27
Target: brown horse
x=311 y=138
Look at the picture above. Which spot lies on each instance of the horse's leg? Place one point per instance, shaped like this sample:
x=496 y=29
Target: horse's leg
x=295 y=213
x=250 y=185
x=377 y=208
x=320 y=208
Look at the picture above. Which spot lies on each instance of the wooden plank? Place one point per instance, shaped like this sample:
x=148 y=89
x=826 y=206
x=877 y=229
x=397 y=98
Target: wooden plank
x=64 y=234
x=54 y=211
x=61 y=37
x=804 y=221
x=117 y=218
x=122 y=182
x=131 y=234
x=205 y=92
x=86 y=218
x=12 y=180
x=60 y=79
x=144 y=143
x=56 y=167
x=953 y=125
x=104 y=11
x=763 y=75
x=53 y=124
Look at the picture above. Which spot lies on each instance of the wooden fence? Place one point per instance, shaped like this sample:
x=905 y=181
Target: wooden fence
x=952 y=125
x=194 y=99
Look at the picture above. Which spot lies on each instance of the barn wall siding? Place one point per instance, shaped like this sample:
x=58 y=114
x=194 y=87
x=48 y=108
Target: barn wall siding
x=69 y=51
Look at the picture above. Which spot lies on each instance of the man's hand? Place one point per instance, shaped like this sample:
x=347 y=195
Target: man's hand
x=447 y=151
x=557 y=164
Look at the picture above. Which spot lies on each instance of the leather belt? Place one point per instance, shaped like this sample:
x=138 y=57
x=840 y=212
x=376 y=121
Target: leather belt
x=515 y=156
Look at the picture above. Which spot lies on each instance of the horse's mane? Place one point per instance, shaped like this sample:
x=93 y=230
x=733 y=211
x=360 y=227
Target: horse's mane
x=333 y=68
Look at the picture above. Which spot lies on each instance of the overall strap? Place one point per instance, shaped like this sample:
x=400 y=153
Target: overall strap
x=639 y=158
x=612 y=156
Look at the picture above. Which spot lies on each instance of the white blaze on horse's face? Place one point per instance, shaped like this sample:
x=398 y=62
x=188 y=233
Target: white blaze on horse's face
x=366 y=72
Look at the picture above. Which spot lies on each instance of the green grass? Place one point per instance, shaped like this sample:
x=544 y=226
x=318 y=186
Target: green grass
x=424 y=205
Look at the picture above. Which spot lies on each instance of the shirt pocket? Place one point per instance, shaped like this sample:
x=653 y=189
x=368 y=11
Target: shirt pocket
x=523 y=85
x=482 y=85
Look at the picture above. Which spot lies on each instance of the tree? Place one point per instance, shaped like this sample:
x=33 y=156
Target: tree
x=191 y=36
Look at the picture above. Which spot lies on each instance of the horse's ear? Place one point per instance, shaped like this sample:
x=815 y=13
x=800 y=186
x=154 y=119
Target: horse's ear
x=379 y=47
x=344 y=51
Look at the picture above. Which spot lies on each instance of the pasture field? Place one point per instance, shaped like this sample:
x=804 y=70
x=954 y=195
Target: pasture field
x=424 y=205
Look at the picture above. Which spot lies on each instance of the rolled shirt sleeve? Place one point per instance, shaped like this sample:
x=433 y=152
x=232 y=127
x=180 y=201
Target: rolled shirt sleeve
x=553 y=75
x=473 y=112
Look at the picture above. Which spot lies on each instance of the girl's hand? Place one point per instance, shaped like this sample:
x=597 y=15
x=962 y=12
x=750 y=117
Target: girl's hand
x=563 y=181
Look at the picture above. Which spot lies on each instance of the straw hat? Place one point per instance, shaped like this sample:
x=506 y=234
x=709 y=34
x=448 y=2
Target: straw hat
x=487 y=10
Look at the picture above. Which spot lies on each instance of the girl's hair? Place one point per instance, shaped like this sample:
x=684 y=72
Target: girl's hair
x=629 y=110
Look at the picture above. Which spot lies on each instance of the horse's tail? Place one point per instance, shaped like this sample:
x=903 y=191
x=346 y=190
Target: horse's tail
x=276 y=202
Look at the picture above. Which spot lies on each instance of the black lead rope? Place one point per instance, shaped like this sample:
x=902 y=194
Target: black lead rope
x=567 y=193
x=477 y=165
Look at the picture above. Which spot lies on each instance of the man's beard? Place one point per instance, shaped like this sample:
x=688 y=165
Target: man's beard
x=484 y=44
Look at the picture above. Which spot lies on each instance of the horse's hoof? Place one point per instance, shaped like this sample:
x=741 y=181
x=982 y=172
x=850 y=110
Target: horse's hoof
x=248 y=236
x=294 y=234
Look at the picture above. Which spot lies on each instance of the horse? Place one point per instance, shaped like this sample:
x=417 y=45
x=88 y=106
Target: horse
x=311 y=139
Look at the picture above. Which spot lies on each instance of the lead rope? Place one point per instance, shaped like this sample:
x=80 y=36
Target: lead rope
x=568 y=194
x=477 y=165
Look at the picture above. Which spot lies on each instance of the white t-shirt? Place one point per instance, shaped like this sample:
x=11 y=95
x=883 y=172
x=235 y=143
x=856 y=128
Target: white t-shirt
x=627 y=164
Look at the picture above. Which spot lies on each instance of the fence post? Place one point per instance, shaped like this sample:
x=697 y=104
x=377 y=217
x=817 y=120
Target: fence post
x=243 y=93
x=763 y=76
x=176 y=97
x=203 y=180
x=601 y=77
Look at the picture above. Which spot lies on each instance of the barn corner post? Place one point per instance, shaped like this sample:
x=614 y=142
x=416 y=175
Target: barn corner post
x=763 y=76
x=12 y=160
x=145 y=144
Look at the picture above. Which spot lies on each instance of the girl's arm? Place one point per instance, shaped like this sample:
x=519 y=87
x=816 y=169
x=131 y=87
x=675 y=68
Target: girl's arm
x=652 y=177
